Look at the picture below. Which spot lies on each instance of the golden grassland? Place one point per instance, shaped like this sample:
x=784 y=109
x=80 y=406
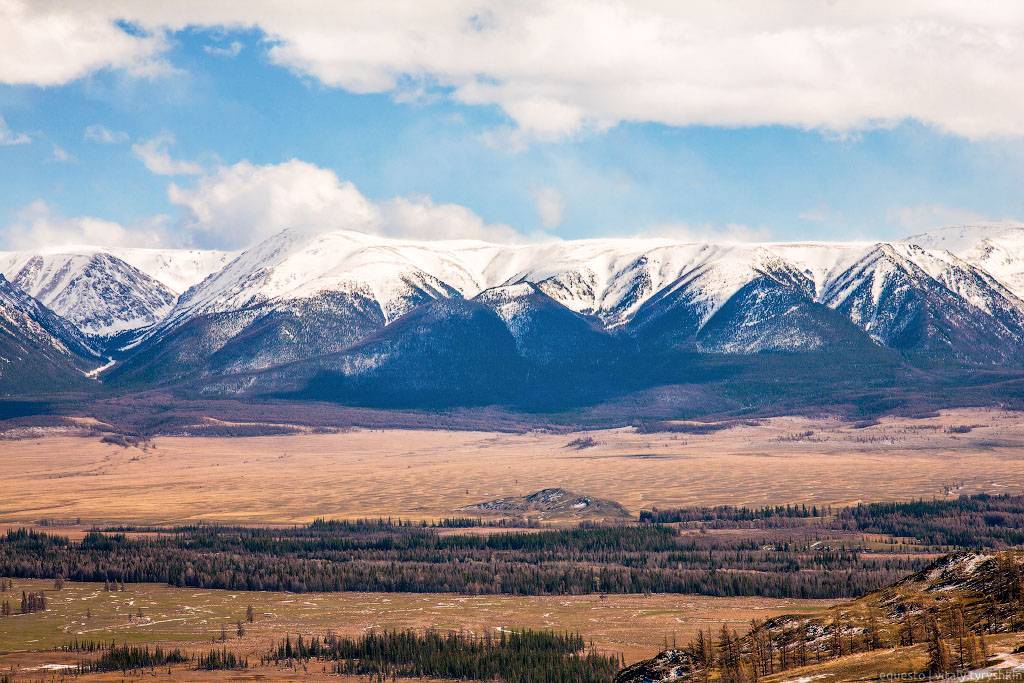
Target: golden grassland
x=636 y=626
x=430 y=474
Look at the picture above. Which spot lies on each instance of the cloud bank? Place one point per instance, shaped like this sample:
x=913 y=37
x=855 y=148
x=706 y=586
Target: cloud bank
x=236 y=206
x=558 y=68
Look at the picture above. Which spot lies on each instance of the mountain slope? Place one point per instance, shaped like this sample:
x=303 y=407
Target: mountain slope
x=768 y=314
x=996 y=248
x=734 y=300
x=958 y=598
x=915 y=301
x=443 y=353
x=40 y=352
x=544 y=330
x=291 y=297
x=101 y=294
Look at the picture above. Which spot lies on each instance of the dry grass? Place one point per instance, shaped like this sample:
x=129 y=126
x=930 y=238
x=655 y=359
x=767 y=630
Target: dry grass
x=635 y=625
x=429 y=474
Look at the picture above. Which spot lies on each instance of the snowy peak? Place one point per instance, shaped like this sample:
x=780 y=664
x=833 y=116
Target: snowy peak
x=176 y=269
x=297 y=265
x=996 y=248
x=101 y=294
x=678 y=312
x=909 y=298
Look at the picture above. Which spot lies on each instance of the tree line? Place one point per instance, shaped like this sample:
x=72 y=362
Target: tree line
x=514 y=657
x=976 y=521
x=587 y=559
x=732 y=514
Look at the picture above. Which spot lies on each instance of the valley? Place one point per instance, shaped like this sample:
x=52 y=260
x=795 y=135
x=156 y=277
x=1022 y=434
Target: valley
x=66 y=485
x=634 y=625
x=430 y=474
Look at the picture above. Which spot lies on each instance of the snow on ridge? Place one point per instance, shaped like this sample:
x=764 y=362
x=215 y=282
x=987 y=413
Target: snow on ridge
x=101 y=294
x=995 y=247
x=608 y=278
x=177 y=269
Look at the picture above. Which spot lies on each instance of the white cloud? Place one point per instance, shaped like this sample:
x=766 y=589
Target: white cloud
x=62 y=155
x=48 y=43
x=103 y=135
x=557 y=68
x=155 y=154
x=421 y=218
x=9 y=137
x=819 y=214
x=241 y=204
x=549 y=206
x=232 y=50
x=708 y=232
x=37 y=226
x=238 y=205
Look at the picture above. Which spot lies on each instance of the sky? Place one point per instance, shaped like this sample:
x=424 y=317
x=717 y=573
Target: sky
x=215 y=125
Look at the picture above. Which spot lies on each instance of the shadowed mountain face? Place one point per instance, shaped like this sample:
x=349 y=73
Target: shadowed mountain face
x=368 y=320
x=40 y=352
x=954 y=311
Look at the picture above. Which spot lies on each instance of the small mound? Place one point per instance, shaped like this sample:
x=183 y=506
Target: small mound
x=553 y=502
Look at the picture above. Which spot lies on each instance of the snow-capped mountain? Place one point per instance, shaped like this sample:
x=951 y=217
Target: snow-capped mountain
x=996 y=248
x=39 y=350
x=101 y=294
x=109 y=293
x=909 y=298
x=300 y=296
x=345 y=311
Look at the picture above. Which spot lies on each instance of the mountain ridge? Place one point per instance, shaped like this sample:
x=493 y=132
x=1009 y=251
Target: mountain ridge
x=333 y=310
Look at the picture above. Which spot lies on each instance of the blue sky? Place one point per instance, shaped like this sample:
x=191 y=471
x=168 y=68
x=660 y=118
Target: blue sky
x=220 y=97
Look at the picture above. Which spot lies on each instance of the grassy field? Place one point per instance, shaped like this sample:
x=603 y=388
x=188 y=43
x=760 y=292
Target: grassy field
x=430 y=474
x=635 y=625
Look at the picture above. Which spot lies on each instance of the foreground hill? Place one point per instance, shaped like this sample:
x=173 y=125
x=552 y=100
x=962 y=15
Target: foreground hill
x=948 y=610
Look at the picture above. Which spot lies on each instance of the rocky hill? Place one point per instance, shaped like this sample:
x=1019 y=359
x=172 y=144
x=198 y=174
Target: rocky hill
x=940 y=620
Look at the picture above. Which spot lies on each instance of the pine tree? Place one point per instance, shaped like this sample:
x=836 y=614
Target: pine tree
x=940 y=661
x=702 y=653
x=872 y=632
x=729 y=656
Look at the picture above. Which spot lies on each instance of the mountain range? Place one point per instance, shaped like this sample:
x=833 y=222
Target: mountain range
x=370 y=320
